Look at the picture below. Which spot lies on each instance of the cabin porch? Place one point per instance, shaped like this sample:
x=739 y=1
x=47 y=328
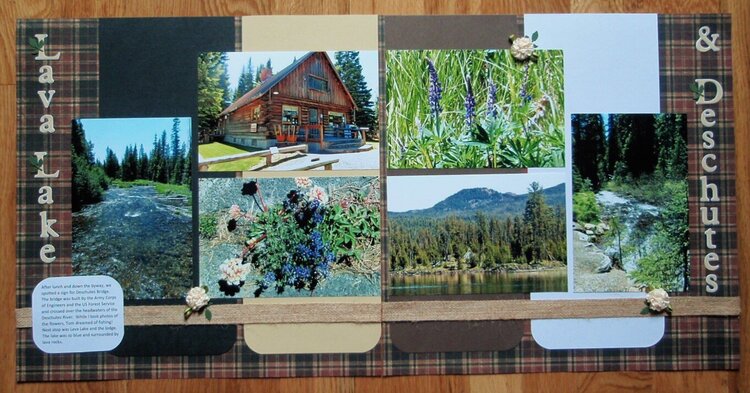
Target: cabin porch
x=319 y=139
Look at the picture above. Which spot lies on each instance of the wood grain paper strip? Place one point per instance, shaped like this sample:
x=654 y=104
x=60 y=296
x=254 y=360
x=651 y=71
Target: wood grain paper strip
x=483 y=310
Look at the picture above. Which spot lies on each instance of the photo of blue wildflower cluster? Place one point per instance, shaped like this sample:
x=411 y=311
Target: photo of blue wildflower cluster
x=474 y=109
x=290 y=236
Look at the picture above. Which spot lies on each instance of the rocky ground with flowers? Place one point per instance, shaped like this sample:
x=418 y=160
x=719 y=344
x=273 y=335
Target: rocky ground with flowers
x=290 y=237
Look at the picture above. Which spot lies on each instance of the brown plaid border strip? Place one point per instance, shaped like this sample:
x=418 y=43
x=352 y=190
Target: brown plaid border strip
x=680 y=65
x=76 y=95
x=689 y=342
x=239 y=362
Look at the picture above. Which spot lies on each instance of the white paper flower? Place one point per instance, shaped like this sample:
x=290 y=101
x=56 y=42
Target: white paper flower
x=318 y=193
x=522 y=48
x=233 y=271
x=303 y=182
x=658 y=300
x=197 y=298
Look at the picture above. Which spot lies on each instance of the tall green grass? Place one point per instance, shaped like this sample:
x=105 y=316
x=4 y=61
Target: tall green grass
x=526 y=133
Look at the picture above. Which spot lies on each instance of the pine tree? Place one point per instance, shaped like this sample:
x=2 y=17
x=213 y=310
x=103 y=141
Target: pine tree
x=212 y=90
x=589 y=148
x=88 y=180
x=111 y=165
x=536 y=219
x=130 y=164
x=640 y=154
x=246 y=81
x=143 y=168
x=257 y=74
x=162 y=175
x=175 y=163
x=186 y=166
x=227 y=95
x=350 y=70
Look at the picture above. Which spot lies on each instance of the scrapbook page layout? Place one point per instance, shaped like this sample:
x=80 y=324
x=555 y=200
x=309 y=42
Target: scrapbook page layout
x=283 y=196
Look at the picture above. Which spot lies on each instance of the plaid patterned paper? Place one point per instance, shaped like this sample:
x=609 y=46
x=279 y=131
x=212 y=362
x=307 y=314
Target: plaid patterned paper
x=76 y=76
x=680 y=64
x=689 y=342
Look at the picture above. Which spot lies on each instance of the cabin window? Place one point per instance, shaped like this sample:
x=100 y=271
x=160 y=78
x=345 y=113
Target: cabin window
x=256 y=113
x=336 y=118
x=313 y=116
x=290 y=114
x=316 y=83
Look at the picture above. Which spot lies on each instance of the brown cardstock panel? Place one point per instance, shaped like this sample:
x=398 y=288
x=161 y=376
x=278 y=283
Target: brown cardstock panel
x=449 y=32
x=452 y=32
x=461 y=336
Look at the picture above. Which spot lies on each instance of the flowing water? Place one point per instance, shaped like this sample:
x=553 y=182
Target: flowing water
x=472 y=283
x=636 y=220
x=140 y=238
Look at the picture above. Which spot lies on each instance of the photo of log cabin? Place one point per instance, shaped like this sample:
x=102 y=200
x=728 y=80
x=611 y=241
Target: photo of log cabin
x=316 y=113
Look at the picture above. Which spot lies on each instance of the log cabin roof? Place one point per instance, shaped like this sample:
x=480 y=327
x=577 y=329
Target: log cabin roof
x=265 y=86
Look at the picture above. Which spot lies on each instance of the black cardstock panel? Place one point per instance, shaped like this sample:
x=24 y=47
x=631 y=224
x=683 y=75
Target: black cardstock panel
x=176 y=340
x=148 y=68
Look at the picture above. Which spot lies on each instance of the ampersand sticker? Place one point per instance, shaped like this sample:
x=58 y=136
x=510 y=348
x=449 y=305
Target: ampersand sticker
x=707 y=41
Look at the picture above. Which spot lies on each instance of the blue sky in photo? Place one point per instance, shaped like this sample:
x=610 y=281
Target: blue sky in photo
x=120 y=133
x=279 y=61
x=421 y=192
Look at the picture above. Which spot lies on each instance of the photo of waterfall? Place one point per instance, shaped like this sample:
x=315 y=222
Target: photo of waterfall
x=630 y=202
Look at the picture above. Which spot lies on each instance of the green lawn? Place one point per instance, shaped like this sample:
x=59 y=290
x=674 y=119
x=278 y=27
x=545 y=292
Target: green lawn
x=217 y=149
x=235 y=166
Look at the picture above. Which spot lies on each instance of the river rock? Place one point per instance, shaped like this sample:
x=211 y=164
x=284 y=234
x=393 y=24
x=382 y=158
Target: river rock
x=605 y=265
x=589 y=227
x=582 y=236
x=576 y=226
x=589 y=232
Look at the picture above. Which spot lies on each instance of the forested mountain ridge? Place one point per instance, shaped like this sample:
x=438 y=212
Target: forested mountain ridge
x=464 y=231
x=468 y=201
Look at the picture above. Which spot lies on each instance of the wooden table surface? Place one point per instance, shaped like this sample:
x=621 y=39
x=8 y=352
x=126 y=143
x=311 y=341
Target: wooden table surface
x=719 y=381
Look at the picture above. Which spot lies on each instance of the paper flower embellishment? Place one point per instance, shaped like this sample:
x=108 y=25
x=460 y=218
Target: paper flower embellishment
x=197 y=300
x=303 y=182
x=657 y=301
x=522 y=48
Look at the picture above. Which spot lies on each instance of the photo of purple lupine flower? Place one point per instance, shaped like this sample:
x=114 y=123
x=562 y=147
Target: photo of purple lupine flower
x=491 y=100
x=436 y=90
x=474 y=109
x=469 y=102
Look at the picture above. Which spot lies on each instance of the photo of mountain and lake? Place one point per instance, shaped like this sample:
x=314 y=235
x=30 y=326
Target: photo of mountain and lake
x=476 y=234
x=132 y=204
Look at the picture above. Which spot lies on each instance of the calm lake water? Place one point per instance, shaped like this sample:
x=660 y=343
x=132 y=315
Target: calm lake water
x=141 y=239
x=466 y=283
